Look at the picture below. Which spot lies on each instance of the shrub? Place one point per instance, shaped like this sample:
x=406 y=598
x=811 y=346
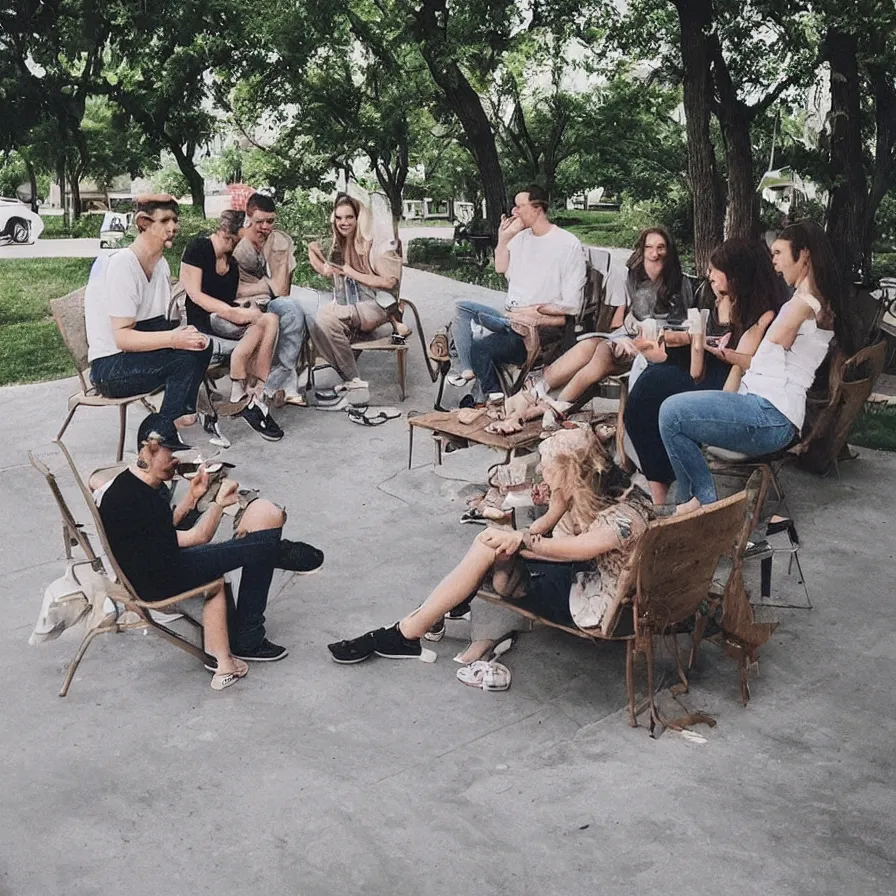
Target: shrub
x=428 y=251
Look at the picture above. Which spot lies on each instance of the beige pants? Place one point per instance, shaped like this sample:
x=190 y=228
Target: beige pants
x=335 y=327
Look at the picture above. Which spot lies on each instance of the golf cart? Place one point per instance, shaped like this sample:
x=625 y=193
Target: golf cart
x=18 y=224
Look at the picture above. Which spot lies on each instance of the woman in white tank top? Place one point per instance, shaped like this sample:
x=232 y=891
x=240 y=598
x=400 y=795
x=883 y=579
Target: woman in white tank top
x=767 y=413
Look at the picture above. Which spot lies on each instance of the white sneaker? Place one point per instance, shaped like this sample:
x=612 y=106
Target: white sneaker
x=350 y=385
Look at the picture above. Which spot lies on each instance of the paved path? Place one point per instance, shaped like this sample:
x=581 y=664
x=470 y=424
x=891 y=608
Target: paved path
x=392 y=778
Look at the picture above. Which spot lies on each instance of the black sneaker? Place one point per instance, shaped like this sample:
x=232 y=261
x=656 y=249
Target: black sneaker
x=354 y=650
x=437 y=632
x=392 y=644
x=263 y=424
x=461 y=611
x=298 y=557
x=264 y=653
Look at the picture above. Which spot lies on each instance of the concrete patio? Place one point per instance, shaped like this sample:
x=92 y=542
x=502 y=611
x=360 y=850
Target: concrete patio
x=311 y=779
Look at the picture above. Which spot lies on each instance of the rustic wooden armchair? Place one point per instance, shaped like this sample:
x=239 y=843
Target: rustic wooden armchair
x=130 y=612
x=666 y=582
x=68 y=312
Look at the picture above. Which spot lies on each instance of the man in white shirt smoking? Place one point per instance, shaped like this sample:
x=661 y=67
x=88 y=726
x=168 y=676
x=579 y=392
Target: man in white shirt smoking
x=545 y=270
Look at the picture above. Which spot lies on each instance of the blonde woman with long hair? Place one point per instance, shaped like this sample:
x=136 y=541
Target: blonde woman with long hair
x=589 y=531
x=366 y=273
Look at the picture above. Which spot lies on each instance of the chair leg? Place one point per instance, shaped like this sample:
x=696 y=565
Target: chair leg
x=651 y=702
x=68 y=420
x=630 y=681
x=122 y=427
x=178 y=641
x=401 y=358
x=73 y=665
x=624 y=461
x=443 y=375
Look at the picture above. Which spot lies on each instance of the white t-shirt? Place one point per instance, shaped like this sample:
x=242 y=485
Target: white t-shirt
x=118 y=288
x=545 y=270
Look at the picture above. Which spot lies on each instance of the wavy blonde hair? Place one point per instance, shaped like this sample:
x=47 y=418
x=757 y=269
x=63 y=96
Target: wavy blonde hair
x=581 y=462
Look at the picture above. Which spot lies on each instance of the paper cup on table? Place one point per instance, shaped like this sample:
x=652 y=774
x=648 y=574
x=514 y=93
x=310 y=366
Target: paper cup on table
x=649 y=329
x=695 y=321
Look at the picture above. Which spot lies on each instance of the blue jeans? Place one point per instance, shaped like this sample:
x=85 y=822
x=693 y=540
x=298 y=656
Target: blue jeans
x=642 y=410
x=256 y=554
x=501 y=346
x=296 y=312
x=745 y=423
x=178 y=371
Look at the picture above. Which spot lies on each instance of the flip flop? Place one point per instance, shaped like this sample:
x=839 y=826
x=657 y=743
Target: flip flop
x=372 y=416
x=489 y=676
x=508 y=427
x=222 y=680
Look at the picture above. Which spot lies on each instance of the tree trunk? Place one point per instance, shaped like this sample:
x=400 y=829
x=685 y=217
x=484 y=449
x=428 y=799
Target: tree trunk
x=61 y=180
x=742 y=213
x=846 y=211
x=695 y=19
x=32 y=182
x=75 y=181
x=431 y=24
x=735 y=119
x=190 y=172
x=884 y=175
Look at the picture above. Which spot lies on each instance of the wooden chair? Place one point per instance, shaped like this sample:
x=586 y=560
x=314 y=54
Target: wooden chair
x=665 y=582
x=68 y=312
x=205 y=399
x=120 y=591
x=850 y=383
x=399 y=349
x=551 y=343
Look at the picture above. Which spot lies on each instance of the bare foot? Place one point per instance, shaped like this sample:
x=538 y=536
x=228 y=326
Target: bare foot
x=185 y=421
x=689 y=507
x=475 y=651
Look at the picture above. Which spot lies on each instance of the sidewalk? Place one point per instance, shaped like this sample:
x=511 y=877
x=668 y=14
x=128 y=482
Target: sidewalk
x=392 y=778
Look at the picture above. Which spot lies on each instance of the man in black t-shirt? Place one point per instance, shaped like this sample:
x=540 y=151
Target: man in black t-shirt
x=160 y=561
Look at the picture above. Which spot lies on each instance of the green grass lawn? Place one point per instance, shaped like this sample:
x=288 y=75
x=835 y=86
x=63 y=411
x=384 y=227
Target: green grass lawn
x=31 y=349
x=876 y=428
x=597 y=228
x=85 y=227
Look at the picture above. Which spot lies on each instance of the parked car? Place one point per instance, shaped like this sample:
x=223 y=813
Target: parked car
x=18 y=224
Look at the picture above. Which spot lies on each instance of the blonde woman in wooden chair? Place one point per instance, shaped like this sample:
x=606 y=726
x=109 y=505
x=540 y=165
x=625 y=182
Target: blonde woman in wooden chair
x=536 y=567
x=366 y=274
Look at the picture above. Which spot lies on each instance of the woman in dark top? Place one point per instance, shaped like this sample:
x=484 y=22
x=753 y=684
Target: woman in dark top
x=211 y=276
x=748 y=294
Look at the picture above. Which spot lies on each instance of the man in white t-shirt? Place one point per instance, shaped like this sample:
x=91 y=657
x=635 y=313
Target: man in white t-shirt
x=545 y=270
x=132 y=347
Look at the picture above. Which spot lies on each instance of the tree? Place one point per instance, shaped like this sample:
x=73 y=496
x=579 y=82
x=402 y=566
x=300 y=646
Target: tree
x=861 y=124
x=431 y=27
x=164 y=60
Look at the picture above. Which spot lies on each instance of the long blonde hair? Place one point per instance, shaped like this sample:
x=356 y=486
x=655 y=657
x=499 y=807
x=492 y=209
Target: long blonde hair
x=581 y=461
